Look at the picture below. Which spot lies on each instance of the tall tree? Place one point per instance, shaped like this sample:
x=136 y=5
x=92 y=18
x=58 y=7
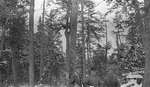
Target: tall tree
x=31 y=57
x=146 y=42
x=83 y=61
x=70 y=33
x=42 y=48
x=67 y=35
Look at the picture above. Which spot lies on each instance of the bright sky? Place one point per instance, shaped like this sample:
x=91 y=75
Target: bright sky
x=38 y=10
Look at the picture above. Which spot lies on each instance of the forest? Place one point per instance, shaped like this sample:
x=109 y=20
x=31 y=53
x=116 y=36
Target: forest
x=75 y=43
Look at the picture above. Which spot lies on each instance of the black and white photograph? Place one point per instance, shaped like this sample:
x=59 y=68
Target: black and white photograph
x=74 y=43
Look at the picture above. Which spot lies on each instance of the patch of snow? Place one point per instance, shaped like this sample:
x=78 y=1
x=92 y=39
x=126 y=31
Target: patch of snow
x=134 y=76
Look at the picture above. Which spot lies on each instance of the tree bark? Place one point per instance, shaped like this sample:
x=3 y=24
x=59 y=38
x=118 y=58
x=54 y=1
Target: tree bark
x=1 y=50
x=83 y=61
x=117 y=44
x=2 y=41
x=73 y=22
x=3 y=37
x=31 y=55
x=42 y=46
x=41 y=63
x=146 y=42
x=67 y=35
x=70 y=33
x=14 y=65
x=73 y=34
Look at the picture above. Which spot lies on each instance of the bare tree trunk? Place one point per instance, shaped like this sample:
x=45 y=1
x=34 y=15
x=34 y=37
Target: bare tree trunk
x=146 y=41
x=117 y=43
x=3 y=37
x=31 y=56
x=2 y=41
x=106 y=42
x=67 y=35
x=88 y=43
x=14 y=65
x=73 y=34
x=41 y=64
x=83 y=61
x=1 y=50
x=42 y=46
x=70 y=33
x=67 y=54
x=73 y=22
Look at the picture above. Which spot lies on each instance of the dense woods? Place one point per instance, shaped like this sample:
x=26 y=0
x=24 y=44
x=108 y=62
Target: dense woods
x=75 y=44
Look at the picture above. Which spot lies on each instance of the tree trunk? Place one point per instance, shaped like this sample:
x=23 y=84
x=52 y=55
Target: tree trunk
x=41 y=63
x=3 y=37
x=14 y=65
x=146 y=42
x=73 y=33
x=73 y=23
x=1 y=50
x=42 y=46
x=117 y=44
x=106 y=42
x=88 y=44
x=67 y=39
x=67 y=35
x=31 y=56
x=83 y=61
x=70 y=33
x=2 y=41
